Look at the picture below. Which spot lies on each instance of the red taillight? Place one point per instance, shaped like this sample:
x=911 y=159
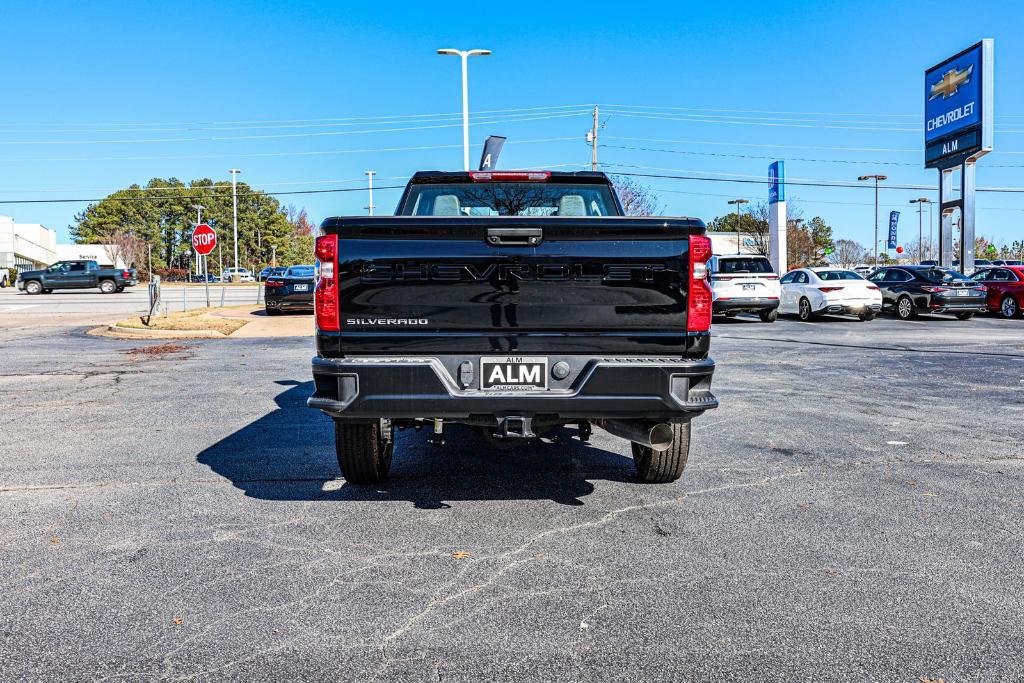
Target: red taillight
x=982 y=288
x=126 y=275
x=504 y=176
x=326 y=293
x=874 y=287
x=274 y=283
x=935 y=290
x=698 y=298
x=829 y=289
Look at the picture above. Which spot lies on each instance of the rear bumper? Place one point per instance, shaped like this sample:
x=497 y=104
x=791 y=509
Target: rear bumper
x=851 y=307
x=638 y=388
x=741 y=304
x=291 y=301
x=945 y=307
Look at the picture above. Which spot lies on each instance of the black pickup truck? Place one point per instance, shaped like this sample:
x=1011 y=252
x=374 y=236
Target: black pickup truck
x=76 y=275
x=515 y=302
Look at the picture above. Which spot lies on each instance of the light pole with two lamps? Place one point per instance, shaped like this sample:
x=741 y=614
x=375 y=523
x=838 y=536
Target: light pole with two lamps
x=465 y=55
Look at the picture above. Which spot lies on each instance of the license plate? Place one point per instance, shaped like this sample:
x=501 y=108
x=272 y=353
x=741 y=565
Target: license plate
x=963 y=292
x=514 y=373
x=301 y=288
x=748 y=288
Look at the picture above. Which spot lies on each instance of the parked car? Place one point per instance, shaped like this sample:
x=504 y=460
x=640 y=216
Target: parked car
x=543 y=305
x=243 y=273
x=76 y=275
x=909 y=290
x=745 y=283
x=810 y=292
x=1005 y=289
x=292 y=290
x=1007 y=262
x=270 y=271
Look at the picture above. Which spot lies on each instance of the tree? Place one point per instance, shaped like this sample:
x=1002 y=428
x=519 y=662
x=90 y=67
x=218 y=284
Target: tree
x=161 y=214
x=123 y=245
x=808 y=244
x=847 y=254
x=636 y=199
x=754 y=226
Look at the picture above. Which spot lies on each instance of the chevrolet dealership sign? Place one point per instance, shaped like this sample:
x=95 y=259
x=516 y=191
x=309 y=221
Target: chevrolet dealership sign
x=958 y=106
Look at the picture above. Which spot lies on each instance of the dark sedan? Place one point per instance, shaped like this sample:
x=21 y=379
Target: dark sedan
x=292 y=290
x=909 y=290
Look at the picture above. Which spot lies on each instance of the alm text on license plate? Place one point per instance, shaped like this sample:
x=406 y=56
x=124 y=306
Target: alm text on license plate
x=301 y=288
x=514 y=373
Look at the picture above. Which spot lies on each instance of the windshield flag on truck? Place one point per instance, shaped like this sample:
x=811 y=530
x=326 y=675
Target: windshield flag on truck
x=492 y=149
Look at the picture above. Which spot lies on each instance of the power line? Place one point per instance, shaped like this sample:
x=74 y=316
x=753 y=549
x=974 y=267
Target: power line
x=285 y=135
x=641 y=115
x=755 y=156
x=190 y=197
x=275 y=154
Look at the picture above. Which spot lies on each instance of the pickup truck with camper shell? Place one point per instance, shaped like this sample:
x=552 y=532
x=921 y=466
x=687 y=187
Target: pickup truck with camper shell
x=76 y=275
x=515 y=302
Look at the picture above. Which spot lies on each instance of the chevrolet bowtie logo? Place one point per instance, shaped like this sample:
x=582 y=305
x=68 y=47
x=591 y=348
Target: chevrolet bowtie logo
x=951 y=82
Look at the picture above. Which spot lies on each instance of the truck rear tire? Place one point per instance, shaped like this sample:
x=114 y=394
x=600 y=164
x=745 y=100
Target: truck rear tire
x=662 y=467
x=364 y=451
x=108 y=286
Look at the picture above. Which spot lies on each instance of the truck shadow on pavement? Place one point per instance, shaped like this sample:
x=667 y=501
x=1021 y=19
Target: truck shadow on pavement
x=288 y=455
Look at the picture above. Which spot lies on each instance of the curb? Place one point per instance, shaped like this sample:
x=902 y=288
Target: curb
x=162 y=334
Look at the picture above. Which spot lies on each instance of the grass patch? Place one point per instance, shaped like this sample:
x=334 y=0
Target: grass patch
x=187 y=320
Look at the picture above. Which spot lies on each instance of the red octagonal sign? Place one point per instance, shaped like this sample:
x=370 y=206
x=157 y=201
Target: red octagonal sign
x=204 y=239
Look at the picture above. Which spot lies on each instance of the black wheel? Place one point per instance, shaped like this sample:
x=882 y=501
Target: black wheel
x=769 y=316
x=108 y=287
x=866 y=316
x=33 y=287
x=662 y=467
x=731 y=314
x=905 y=309
x=966 y=315
x=364 y=451
x=120 y=289
x=272 y=311
x=804 y=310
x=1008 y=307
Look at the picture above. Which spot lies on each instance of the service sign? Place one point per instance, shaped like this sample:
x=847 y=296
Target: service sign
x=958 y=105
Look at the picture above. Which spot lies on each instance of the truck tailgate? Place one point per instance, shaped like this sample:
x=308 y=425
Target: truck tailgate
x=431 y=285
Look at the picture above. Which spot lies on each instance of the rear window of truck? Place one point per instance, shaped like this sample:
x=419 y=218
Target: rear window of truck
x=510 y=199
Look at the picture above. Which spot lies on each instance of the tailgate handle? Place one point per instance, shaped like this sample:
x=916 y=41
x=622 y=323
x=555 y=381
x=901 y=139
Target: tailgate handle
x=514 y=237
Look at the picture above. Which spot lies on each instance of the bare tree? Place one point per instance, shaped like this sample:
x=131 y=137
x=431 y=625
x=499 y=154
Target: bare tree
x=302 y=224
x=636 y=199
x=123 y=245
x=847 y=254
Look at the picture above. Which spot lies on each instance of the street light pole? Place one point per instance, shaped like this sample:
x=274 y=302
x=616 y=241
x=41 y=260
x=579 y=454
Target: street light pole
x=465 y=55
x=877 y=179
x=234 y=211
x=738 y=203
x=369 y=180
x=921 y=201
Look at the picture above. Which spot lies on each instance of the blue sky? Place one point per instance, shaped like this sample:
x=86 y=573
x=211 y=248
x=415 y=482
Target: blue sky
x=82 y=81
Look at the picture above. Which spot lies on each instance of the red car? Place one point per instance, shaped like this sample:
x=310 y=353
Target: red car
x=1005 y=289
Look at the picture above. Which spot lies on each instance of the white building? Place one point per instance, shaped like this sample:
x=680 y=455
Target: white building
x=725 y=243
x=26 y=246
x=100 y=253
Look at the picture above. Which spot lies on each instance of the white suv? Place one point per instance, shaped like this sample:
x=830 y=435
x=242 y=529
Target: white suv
x=243 y=275
x=745 y=283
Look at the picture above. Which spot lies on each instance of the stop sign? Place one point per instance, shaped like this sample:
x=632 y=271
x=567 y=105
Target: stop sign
x=204 y=239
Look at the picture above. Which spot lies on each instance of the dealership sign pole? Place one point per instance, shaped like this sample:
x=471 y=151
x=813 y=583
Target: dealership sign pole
x=958 y=110
x=204 y=239
x=777 y=216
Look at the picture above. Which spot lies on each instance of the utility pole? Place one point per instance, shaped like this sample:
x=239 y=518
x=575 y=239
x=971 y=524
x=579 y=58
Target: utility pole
x=877 y=179
x=592 y=139
x=465 y=55
x=234 y=212
x=738 y=203
x=369 y=179
x=921 y=201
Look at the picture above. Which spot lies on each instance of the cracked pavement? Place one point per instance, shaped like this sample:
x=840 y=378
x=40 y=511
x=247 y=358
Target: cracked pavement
x=852 y=510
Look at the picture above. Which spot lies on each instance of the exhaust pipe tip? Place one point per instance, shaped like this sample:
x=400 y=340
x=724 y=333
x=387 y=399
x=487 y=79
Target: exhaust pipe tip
x=661 y=437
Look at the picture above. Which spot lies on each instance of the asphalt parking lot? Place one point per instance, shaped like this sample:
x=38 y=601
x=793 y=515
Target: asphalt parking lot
x=852 y=511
